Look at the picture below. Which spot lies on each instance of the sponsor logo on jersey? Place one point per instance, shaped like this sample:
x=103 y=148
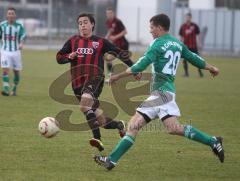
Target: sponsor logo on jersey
x=84 y=51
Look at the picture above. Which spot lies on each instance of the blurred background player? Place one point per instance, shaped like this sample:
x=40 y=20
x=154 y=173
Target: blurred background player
x=164 y=54
x=85 y=53
x=189 y=32
x=116 y=34
x=12 y=35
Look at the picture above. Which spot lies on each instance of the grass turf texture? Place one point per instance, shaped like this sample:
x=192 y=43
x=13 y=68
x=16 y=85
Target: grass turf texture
x=210 y=105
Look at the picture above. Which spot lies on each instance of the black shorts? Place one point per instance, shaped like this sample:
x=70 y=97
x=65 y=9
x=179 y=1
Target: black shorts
x=93 y=87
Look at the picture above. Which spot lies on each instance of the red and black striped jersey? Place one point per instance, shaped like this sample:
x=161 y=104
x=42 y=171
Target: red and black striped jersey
x=89 y=63
x=189 y=32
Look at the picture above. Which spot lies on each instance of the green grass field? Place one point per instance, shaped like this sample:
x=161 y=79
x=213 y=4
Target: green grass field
x=212 y=105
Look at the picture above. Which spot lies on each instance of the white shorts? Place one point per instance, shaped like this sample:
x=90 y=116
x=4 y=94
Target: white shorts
x=160 y=104
x=11 y=60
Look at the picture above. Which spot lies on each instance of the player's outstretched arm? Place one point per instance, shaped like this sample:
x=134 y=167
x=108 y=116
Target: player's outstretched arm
x=135 y=70
x=198 y=61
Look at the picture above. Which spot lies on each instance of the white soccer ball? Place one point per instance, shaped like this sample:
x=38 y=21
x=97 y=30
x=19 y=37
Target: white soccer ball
x=48 y=127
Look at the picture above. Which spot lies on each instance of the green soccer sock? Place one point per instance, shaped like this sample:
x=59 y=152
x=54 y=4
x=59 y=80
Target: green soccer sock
x=122 y=147
x=16 y=80
x=5 y=79
x=199 y=136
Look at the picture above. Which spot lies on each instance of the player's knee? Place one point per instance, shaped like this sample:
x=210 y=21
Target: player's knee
x=86 y=102
x=174 y=129
x=83 y=108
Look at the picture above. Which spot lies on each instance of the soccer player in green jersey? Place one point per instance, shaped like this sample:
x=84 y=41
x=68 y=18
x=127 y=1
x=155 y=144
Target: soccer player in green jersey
x=12 y=35
x=164 y=54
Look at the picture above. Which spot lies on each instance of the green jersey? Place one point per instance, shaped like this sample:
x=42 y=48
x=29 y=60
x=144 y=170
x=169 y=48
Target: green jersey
x=11 y=35
x=165 y=54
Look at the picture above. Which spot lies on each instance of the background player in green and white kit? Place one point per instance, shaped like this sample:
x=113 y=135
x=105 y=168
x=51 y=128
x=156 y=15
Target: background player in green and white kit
x=12 y=35
x=164 y=54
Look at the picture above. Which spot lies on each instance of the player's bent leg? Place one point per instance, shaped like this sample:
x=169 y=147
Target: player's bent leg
x=109 y=123
x=86 y=104
x=16 y=80
x=175 y=128
x=5 y=80
x=136 y=123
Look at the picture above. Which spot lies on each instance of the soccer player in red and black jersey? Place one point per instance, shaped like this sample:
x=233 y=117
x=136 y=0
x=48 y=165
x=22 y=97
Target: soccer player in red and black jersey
x=85 y=54
x=116 y=34
x=189 y=32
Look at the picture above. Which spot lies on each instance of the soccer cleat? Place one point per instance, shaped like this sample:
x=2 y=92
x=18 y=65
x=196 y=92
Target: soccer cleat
x=96 y=143
x=5 y=93
x=218 y=148
x=121 y=128
x=104 y=162
x=13 y=93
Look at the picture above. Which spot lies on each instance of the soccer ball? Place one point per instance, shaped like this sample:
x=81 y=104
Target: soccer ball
x=48 y=127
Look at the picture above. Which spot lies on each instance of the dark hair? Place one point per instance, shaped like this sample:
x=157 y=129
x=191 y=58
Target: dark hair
x=110 y=9
x=189 y=14
x=90 y=17
x=161 y=20
x=11 y=9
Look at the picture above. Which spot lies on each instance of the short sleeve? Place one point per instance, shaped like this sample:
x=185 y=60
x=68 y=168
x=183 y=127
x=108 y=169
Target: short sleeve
x=120 y=25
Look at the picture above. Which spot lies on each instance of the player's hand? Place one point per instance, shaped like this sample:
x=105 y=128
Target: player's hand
x=214 y=71
x=72 y=55
x=113 y=79
x=20 y=46
x=138 y=76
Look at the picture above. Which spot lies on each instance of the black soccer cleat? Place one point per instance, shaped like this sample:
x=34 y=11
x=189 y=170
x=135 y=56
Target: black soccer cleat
x=121 y=128
x=104 y=162
x=218 y=149
x=5 y=93
x=96 y=143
